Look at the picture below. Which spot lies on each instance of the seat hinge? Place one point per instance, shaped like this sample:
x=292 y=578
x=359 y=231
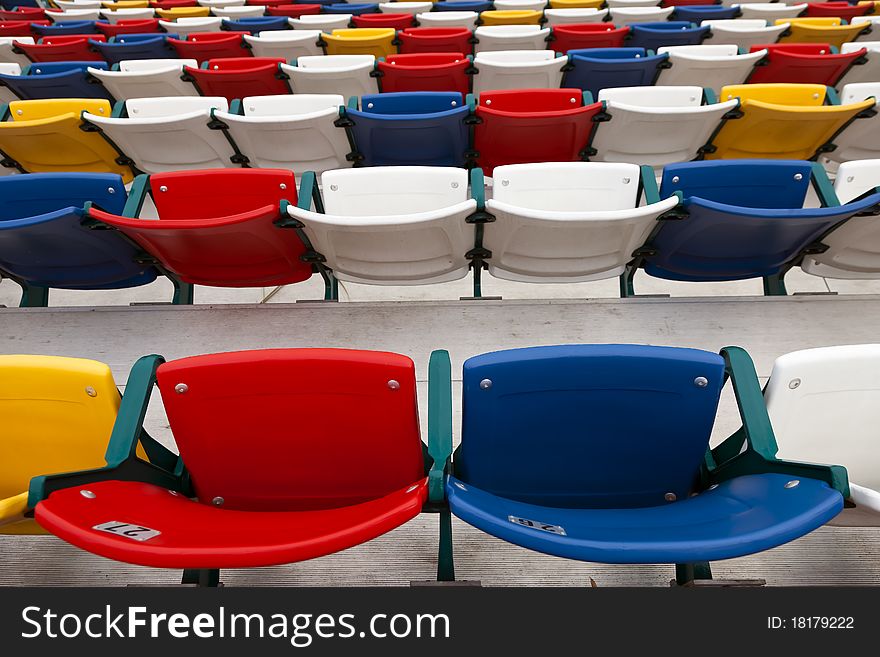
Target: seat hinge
x=355 y=157
x=601 y=117
x=240 y=158
x=827 y=148
x=217 y=124
x=343 y=122
x=124 y=161
x=815 y=248
x=733 y=114
x=867 y=113
x=707 y=148
x=471 y=70
x=675 y=214
x=9 y=163
x=480 y=217
x=472 y=119
x=479 y=253
x=376 y=73
x=312 y=257
x=85 y=126
x=644 y=252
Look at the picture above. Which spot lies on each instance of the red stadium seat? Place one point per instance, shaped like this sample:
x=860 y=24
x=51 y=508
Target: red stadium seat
x=202 y=46
x=217 y=227
x=139 y=26
x=278 y=474
x=67 y=48
x=397 y=21
x=239 y=77
x=435 y=39
x=23 y=14
x=425 y=72
x=587 y=35
x=19 y=28
x=805 y=63
x=688 y=3
x=293 y=11
x=532 y=125
x=269 y=3
x=171 y=4
x=842 y=10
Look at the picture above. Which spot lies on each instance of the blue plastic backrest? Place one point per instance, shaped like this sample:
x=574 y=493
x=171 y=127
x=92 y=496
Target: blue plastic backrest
x=719 y=242
x=653 y=36
x=598 y=426
x=465 y=5
x=609 y=53
x=748 y=183
x=256 y=23
x=138 y=37
x=698 y=13
x=12 y=4
x=69 y=27
x=48 y=68
x=72 y=83
x=411 y=102
x=353 y=8
x=669 y=26
x=33 y=194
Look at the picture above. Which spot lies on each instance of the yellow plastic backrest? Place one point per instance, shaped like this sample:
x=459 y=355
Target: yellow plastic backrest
x=376 y=41
x=825 y=21
x=576 y=4
x=802 y=95
x=772 y=131
x=833 y=33
x=56 y=415
x=34 y=110
x=511 y=17
x=364 y=33
x=184 y=12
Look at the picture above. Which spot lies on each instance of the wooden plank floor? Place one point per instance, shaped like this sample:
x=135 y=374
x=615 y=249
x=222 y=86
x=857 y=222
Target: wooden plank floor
x=766 y=327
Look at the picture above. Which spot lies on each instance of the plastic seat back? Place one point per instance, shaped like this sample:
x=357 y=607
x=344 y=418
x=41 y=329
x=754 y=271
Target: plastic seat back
x=237 y=447
x=518 y=69
x=42 y=193
x=708 y=66
x=804 y=63
x=351 y=8
x=411 y=129
x=289 y=44
x=144 y=26
x=121 y=49
x=823 y=404
x=63 y=49
x=822 y=30
x=588 y=35
x=151 y=79
x=510 y=37
x=210 y=45
x=378 y=42
x=395 y=21
x=256 y=25
x=596 y=69
x=240 y=77
x=652 y=36
x=56 y=80
x=70 y=27
x=448 y=19
x=744 y=33
x=435 y=39
x=346 y=75
x=588 y=425
x=703 y=12
x=426 y=72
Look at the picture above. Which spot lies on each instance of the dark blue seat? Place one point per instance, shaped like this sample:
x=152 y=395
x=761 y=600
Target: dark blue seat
x=256 y=24
x=464 y=5
x=12 y=4
x=410 y=128
x=595 y=453
x=351 y=8
x=57 y=80
x=43 y=243
x=593 y=69
x=699 y=13
x=652 y=36
x=758 y=232
x=68 y=27
x=135 y=46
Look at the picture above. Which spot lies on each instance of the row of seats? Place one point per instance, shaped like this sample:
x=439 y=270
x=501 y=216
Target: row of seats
x=596 y=453
x=549 y=222
x=654 y=126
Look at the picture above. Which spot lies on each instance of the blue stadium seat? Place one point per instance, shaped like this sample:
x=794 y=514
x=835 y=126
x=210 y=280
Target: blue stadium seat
x=595 y=453
x=652 y=36
x=135 y=46
x=463 y=5
x=708 y=12
x=256 y=25
x=742 y=219
x=593 y=69
x=410 y=128
x=57 y=80
x=355 y=9
x=44 y=244
x=68 y=27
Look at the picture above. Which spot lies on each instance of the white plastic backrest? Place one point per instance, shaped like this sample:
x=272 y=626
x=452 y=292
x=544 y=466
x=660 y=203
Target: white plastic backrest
x=335 y=62
x=864 y=19
x=853 y=46
x=325 y=22
x=7 y=41
x=8 y=56
x=289 y=44
x=855 y=178
x=514 y=57
x=126 y=14
x=520 y=5
x=702 y=51
x=392 y=191
x=567 y=186
x=411 y=8
x=859 y=91
x=613 y=4
x=10 y=68
x=222 y=3
x=290 y=105
x=824 y=405
x=640 y=14
x=154 y=108
x=190 y=24
x=79 y=4
x=250 y=11
x=504 y=31
x=654 y=96
x=771 y=10
x=284 y=36
x=466 y=19
x=74 y=15
x=736 y=24
x=151 y=65
x=574 y=15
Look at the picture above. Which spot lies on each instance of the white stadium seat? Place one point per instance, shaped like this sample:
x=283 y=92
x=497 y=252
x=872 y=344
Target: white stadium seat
x=771 y=11
x=518 y=69
x=126 y=14
x=466 y=19
x=289 y=44
x=860 y=140
x=631 y=15
x=867 y=72
x=324 y=22
x=250 y=11
x=191 y=25
x=346 y=75
x=511 y=37
x=744 y=33
x=574 y=16
x=712 y=66
x=147 y=78
x=411 y=8
x=9 y=56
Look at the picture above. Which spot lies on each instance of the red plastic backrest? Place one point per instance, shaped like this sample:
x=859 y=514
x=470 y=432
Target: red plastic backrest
x=435 y=39
x=294 y=429
x=397 y=21
x=132 y=26
x=429 y=59
x=293 y=11
x=588 y=35
x=804 y=64
x=171 y=4
x=795 y=48
x=23 y=13
x=67 y=48
x=268 y=3
x=214 y=37
x=242 y=63
x=835 y=10
x=67 y=39
x=211 y=193
x=532 y=101
x=16 y=28
x=425 y=72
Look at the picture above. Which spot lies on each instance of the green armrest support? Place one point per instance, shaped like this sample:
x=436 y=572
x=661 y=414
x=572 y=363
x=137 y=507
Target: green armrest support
x=478 y=188
x=136 y=196
x=824 y=188
x=650 y=190
x=439 y=423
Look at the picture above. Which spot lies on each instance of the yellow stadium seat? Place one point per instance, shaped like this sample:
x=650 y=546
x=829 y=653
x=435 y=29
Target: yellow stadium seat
x=780 y=122
x=45 y=136
x=576 y=4
x=820 y=30
x=364 y=41
x=511 y=17
x=126 y=4
x=183 y=12
x=56 y=415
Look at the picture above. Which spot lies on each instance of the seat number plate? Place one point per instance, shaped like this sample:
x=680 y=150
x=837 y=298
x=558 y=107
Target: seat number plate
x=134 y=532
x=534 y=524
